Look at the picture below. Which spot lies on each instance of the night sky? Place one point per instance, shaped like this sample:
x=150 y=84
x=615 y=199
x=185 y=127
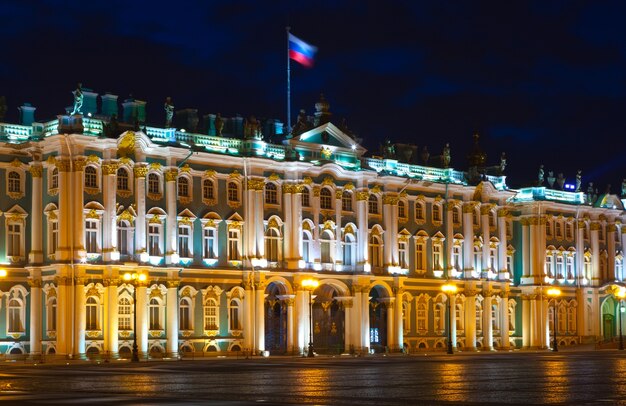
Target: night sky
x=544 y=81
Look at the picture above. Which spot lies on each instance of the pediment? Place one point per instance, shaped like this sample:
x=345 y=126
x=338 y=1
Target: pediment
x=328 y=135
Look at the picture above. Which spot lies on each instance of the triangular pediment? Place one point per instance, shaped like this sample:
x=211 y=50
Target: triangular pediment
x=328 y=135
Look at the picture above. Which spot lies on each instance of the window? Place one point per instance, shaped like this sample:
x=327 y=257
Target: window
x=52 y=314
x=325 y=199
x=234 y=318
x=272 y=239
x=346 y=201
x=234 y=254
x=154 y=308
x=271 y=193
x=124 y=313
x=571 y=319
x=439 y=314
x=419 y=211
x=306 y=246
x=183 y=187
x=511 y=312
x=208 y=189
x=559 y=267
x=459 y=316
x=562 y=318
x=91 y=177
x=401 y=209
x=420 y=256
x=53 y=243
x=619 y=269
x=549 y=271
x=456 y=257
x=493 y=266
x=569 y=231
x=476 y=218
x=375 y=246
x=349 y=246
x=123 y=183
x=569 y=267
x=154 y=237
x=558 y=229
x=91 y=236
x=233 y=192
x=184 y=236
x=549 y=229
x=325 y=247
x=91 y=314
x=422 y=324
x=124 y=238
x=479 y=316
x=551 y=320
x=495 y=325
x=14 y=239
x=184 y=314
x=406 y=326
x=587 y=267
x=154 y=185
x=372 y=204
x=15 y=316
x=209 y=246
x=15 y=182
x=477 y=259
x=403 y=254
x=492 y=219
x=210 y=314
x=436 y=256
x=436 y=213
x=456 y=216
x=306 y=197
x=54 y=181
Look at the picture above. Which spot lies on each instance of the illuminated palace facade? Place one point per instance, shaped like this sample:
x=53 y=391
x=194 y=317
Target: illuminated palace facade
x=226 y=226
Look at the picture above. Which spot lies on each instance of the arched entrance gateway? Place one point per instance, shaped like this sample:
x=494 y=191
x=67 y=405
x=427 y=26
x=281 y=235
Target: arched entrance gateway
x=275 y=319
x=328 y=321
x=379 y=307
x=609 y=319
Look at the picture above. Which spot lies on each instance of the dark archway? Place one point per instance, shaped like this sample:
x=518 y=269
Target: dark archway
x=378 y=319
x=275 y=320
x=328 y=321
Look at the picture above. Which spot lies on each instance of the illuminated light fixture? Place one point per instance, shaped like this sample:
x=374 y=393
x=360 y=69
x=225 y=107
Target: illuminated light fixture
x=115 y=256
x=554 y=293
x=449 y=289
x=134 y=277
x=3 y=273
x=310 y=285
x=144 y=257
x=354 y=147
x=88 y=114
x=175 y=258
x=182 y=130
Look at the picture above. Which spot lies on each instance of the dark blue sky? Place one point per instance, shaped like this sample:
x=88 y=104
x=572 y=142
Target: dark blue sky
x=544 y=81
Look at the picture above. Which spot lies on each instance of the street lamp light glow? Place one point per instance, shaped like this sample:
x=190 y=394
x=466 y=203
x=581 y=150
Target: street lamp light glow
x=449 y=288
x=554 y=292
x=310 y=284
x=3 y=273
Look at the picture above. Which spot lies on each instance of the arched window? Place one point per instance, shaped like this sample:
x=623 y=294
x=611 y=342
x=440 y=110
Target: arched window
x=458 y=314
x=479 y=316
x=209 y=246
x=325 y=199
x=349 y=245
x=346 y=201
x=15 y=316
x=14 y=238
x=403 y=254
x=406 y=325
x=420 y=256
x=208 y=189
x=401 y=209
x=183 y=186
x=234 y=244
x=325 y=247
x=456 y=216
x=372 y=204
x=52 y=314
x=306 y=246
x=124 y=313
x=210 y=314
x=91 y=314
x=419 y=211
x=54 y=181
x=422 y=313
x=272 y=239
x=184 y=314
x=14 y=182
x=492 y=219
x=154 y=240
x=234 y=318
x=232 y=192
x=154 y=308
x=436 y=213
x=154 y=184
x=124 y=238
x=376 y=255
x=271 y=193
x=91 y=177
x=123 y=183
x=306 y=197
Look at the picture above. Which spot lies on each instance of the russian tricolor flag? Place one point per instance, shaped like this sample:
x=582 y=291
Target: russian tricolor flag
x=300 y=51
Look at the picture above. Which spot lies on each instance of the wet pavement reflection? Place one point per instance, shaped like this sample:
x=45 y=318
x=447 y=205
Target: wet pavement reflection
x=498 y=378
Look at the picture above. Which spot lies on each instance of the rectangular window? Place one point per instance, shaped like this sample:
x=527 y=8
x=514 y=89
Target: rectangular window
x=55 y=237
x=209 y=246
x=14 y=239
x=420 y=256
x=436 y=257
x=403 y=254
x=233 y=245
x=183 y=241
x=154 y=233
x=91 y=236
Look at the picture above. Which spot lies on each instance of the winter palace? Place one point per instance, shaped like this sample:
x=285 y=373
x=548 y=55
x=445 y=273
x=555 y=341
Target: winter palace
x=222 y=235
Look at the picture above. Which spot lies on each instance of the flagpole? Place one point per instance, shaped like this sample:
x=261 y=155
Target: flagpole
x=288 y=87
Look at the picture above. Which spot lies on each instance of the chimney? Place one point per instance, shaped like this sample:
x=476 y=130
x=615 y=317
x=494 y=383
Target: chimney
x=27 y=114
x=109 y=105
x=134 y=110
x=90 y=102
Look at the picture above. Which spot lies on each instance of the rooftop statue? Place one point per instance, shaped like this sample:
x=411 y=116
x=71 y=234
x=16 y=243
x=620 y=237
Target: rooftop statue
x=551 y=179
x=623 y=187
x=560 y=180
x=252 y=128
x=446 y=157
x=389 y=150
x=540 y=176
x=169 y=112
x=502 y=163
x=219 y=125
x=301 y=123
x=425 y=156
x=3 y=107
x=78 y=100
x=579 y=180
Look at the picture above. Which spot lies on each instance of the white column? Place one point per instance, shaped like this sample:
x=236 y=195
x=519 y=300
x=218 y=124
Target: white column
x=452 y=315
x=580 y=252
x=526 y=248
x=449 y=243
x=297 y=224
x=594 y=227
x=249 y=224
x=140 y=172
x=302 y=320
x=399 y=319
x=141 y=328
x=487 y=320
x=504 y=320
x=361 y=218
x=76 y=192
x=36 y=238
x=287 y=226
x=66 y=216
x=259 y=224
x=357 y=325
x=365 y=317
x=468 y=240
x=172 y=318
x=535 y=273
x=470 y=319
x=389 y=237
x=171 y=223
x=347 y=304
x=502 y=248
x=526 y=326
x=260 y=317
x=610 y=242
x=248 y=312
x=291 y=344
x=484 y=222
x=109 y=233
x=79 y=321
x=111 y=340
x=391 y=311
x=315 y=243
x=35 y=314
